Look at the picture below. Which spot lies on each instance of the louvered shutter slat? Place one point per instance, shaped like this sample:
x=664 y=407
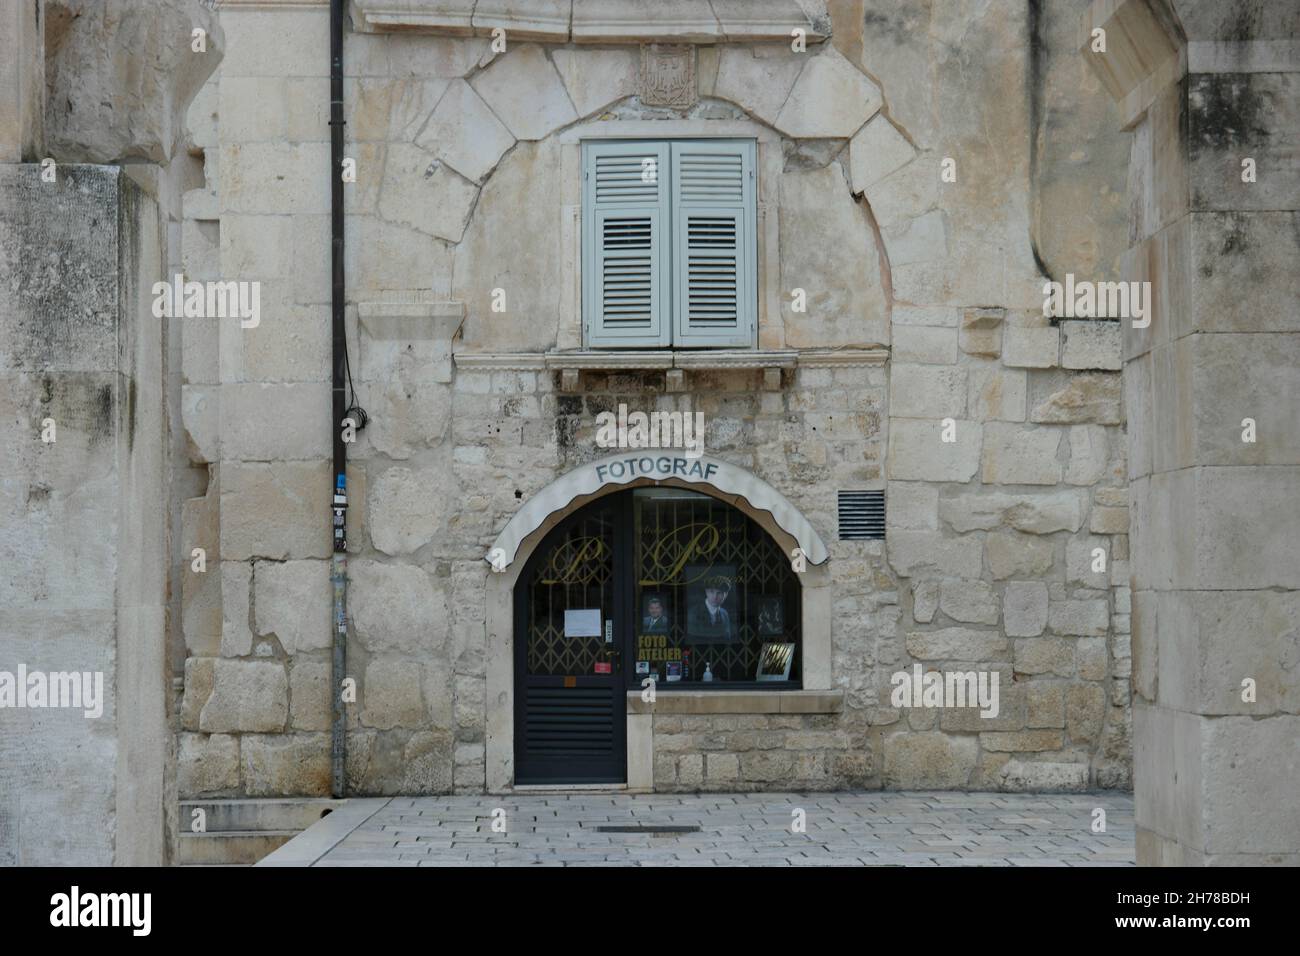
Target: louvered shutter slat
x=714 y=245
x=625 y=244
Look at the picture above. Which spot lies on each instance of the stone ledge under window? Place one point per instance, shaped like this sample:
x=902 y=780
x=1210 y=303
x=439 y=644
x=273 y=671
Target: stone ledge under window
x=738 y=702
x=597 y=360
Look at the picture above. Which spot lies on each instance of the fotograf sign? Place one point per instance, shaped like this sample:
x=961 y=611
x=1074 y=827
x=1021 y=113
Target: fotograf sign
x=655 y=466
x=710 y=473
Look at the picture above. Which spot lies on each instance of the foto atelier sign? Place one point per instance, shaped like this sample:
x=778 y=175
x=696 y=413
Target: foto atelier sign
x=668 y=75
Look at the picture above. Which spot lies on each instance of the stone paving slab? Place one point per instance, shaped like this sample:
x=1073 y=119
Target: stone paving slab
x=843 y=829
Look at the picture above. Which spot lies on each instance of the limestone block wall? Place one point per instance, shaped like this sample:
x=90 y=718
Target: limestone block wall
x=466 y=183
x=1012 y=541
x=823 y=430
x=990 y=560
x=746 y=752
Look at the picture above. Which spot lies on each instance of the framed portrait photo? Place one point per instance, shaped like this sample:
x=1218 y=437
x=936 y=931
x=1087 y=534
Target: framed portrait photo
x=711 y=604
x=656 y=617
x=770 y=617
x=774 y=662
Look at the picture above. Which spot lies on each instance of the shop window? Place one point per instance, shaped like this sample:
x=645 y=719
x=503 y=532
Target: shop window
x=716 y=602
x=669 y=234
x=656 y=583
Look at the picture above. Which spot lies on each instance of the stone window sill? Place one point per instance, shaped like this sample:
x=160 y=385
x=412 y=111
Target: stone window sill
x=677 y=361
x=738 y=702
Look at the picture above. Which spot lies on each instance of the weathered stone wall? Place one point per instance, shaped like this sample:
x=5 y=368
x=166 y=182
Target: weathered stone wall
x=721 y=752
x=94 y=517
x=990 y=558
x=466 y=183
x=823 y=430
x=996 y=534
x=120 y=75
x=1077 y=177
x=82 y=538
x=22 y=66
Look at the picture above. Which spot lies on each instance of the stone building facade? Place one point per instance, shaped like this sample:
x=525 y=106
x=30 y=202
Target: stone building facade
x=911 y=184
x=920 y=169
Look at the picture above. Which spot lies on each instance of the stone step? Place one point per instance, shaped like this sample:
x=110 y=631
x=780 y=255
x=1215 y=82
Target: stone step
x=230 y=847
x=257 y=814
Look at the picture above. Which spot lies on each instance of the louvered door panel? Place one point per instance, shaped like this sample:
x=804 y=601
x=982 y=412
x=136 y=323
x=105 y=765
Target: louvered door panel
x=569 y=721
x=625 y=244
x=713 y=253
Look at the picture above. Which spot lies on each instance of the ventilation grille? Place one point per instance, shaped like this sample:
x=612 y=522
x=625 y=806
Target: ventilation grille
x=624 y=179
x=862 y=515
x=575 y=721
x=711 y=300
x=711 y=177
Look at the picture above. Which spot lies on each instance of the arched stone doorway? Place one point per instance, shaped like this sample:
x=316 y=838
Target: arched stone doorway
x=716 y=555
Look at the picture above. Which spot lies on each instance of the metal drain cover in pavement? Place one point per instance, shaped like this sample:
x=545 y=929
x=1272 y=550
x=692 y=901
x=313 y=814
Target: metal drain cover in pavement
x=648 y=828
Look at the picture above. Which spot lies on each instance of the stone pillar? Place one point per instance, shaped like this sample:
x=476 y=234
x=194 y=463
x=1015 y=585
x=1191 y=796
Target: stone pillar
x=1212 y=388
x=22 y=80
x=82 y=522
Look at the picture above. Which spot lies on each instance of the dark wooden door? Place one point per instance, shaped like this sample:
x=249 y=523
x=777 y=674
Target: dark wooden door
x=570 y=697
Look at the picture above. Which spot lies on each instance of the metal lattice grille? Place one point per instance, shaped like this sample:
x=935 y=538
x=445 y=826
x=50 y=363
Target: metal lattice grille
x=680 y=534
x=862 y=515
x=577 y=573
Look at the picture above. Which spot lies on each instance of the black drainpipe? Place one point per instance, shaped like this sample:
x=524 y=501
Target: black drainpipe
x=339 y=565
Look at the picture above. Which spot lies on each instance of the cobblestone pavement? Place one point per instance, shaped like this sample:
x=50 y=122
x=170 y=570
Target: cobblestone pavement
x=846 y=829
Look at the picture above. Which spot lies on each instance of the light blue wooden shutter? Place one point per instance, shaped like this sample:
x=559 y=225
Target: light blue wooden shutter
x=626 y=266
x=714 y=243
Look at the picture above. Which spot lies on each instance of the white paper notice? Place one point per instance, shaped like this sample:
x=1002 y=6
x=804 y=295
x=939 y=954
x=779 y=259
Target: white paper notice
x=583 y=622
